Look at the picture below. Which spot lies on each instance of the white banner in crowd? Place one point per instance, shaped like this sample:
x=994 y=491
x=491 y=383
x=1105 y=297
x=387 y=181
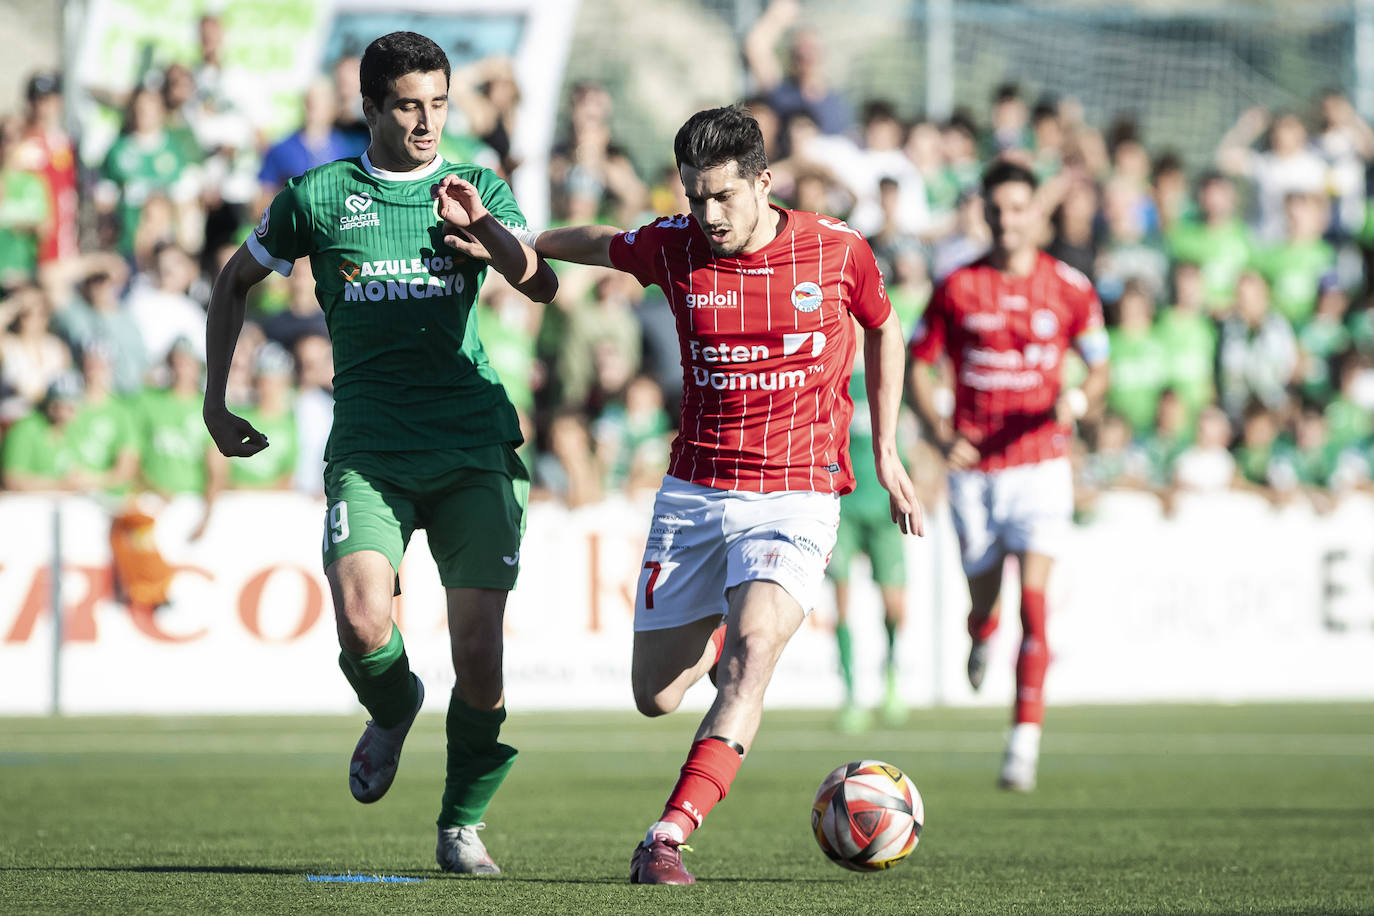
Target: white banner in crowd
x=1226 y=601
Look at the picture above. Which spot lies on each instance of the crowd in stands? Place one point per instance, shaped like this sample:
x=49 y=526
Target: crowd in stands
x=1237 y=290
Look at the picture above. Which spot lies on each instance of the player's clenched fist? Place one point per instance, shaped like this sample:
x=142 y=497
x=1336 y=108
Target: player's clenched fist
x=460 y=202
x=234 y=436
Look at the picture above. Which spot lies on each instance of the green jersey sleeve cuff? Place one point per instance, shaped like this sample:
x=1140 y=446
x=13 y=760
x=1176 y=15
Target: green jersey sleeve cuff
x=265 y=258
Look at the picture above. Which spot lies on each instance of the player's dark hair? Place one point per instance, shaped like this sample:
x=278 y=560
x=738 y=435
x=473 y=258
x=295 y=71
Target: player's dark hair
x=1004 y=171
x=392 y=56
x=716 y=136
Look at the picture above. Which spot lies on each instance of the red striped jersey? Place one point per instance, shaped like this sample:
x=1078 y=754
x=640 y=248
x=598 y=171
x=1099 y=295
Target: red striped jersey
x=1007 y=336
x=767 y=346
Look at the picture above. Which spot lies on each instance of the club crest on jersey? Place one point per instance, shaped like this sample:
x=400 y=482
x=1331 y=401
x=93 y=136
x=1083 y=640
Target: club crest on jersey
x=357 y=206
x=349 y=270
x=806 y=296
x=1044 y=323
x=261 y=229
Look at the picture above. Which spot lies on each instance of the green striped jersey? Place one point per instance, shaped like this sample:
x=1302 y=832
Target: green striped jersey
x=409 y=370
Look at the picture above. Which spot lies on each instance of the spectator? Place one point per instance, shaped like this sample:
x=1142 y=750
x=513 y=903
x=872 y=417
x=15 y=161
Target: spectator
x=314 y=410
x=105 y=436
x=1189 y=340
x=1350 y=414
x=1168 y=191
x=1113 y=464
x=40 y=449
x=1321 y=339
x=96 y=313
x=176 y=454
x=1170 y=436
x=568 y=471
x=1139 y=361
x=605 y=321
x=1128 y=251
x=803 y=86
x=1074 y=223
x=1306 y=463
x=1288 y=165
x=632 y=437
x=909 y=287
x=1217 y=241
x=144 y=159
x=31 y=356
x=316 y=142
x=271 y=414
x=486 y=93
x=1255 y=451
x=1295 y=266
x=590 y=174
x=925 y=148
x=1009 y=129
x=881 y=160
x=348 y=103
x=960 y=137
x=1207 y=466
x=45 y=149
x=1047 y=139
x=161 y=306
x=1347 y=145
x=1257 y=353
x=24 y=212
x=969 y=241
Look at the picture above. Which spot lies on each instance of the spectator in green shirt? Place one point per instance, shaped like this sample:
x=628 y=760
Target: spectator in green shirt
x=1170 y=436
x=1217 y=240
x=24 y=212
x=1295 y=267
x=1255 y=451
x=1189 y=338
x=144 y=160
x=1321 y=339
x=271 y=414
x=176 y=455
x=1350 y=415
x=1139 y=362
x=40 y=449
x=1304 y=464
x=106 y=439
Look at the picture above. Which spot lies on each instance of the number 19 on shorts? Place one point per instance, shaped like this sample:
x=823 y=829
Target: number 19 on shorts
x=336 y=524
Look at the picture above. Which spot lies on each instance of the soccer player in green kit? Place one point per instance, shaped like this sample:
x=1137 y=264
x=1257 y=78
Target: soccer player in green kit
x=424 y=435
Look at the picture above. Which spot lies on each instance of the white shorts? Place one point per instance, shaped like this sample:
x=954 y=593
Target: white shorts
x=704 y=541
x=1026 y=508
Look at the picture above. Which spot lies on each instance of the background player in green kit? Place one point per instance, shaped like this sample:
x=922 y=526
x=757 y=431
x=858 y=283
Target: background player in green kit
x=424 y=435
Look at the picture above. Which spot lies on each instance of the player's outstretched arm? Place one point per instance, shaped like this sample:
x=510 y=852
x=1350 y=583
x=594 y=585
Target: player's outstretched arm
x=233 y=435
x=460 y=203
x=579 y=244
x=885 y=362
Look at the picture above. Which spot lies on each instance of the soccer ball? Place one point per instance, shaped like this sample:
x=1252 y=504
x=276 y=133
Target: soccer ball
x=867 y=816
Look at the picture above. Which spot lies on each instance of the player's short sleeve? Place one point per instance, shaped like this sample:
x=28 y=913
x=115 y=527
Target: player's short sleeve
x=928 y=341
x=870 y=304
x=637 y=252
x=499 y=200
x=1087 y=330
x=283 y=234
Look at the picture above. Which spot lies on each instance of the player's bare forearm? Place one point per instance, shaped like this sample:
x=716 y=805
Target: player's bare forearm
x=517 y=262
x=223 y=321
x=578 y=244
x=885 y=365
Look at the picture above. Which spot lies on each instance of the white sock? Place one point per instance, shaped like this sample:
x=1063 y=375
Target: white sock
x=662 y=828
x=1024 y=740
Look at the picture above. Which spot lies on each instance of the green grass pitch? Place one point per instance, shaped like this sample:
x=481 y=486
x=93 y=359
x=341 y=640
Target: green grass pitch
x=1140 y=810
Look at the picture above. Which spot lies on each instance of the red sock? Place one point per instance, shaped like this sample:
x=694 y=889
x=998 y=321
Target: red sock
x=981 y=628
x=706 y=776
x=1032 y=660
x=718 y=640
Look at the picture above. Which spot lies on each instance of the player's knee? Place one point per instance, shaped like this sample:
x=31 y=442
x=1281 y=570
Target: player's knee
x=652 y=702
x=361 y=633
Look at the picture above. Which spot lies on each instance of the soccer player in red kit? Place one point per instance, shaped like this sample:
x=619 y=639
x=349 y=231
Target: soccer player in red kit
x=745 y=519
x=1005 y=322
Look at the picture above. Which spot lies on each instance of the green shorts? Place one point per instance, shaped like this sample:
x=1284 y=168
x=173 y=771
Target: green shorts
x=876 y=538
x=471 y=503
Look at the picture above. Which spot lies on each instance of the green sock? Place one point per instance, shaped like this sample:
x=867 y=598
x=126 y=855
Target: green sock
x=891 y=628
x=477 y=762
x=382 y=681
x=846 y=659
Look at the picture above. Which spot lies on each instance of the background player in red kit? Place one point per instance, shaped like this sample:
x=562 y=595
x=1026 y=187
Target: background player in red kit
x=1005 y=322
x=745 y=520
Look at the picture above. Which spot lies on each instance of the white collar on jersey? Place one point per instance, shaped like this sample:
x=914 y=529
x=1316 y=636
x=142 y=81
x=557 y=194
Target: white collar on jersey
x=434 y=165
